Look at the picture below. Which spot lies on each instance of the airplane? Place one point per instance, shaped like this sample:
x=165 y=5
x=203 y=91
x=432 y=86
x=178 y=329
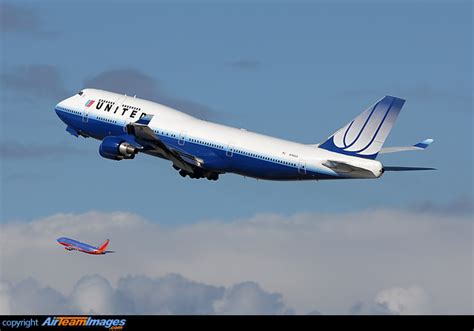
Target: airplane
x=197 y=148
x=74 y=245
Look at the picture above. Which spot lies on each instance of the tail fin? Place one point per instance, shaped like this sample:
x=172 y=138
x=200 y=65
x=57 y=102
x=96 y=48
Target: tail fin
x=103 y=247
x=364 y=136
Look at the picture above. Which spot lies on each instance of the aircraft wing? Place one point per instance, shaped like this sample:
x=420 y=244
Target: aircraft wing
x=145 y=136
x=417 y=147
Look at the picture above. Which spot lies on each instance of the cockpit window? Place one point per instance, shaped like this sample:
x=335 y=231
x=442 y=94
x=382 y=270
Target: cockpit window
x=81 y=93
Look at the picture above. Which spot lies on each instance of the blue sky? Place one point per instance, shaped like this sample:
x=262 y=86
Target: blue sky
x=293 y=70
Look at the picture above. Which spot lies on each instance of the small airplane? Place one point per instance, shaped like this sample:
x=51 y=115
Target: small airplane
x=74 y=245
x=201 y=149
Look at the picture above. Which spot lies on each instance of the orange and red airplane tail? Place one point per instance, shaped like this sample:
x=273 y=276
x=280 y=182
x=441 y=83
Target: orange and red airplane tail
x=103 y=247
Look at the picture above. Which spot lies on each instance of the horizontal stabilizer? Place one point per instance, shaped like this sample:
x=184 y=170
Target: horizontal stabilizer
x=418 y=147
x=405 y=168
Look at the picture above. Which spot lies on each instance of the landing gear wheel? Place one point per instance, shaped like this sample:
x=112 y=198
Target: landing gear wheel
x=182 y=173
x=213 y=176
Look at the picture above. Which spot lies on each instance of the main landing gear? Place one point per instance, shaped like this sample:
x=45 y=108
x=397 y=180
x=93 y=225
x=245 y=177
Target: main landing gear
x=198 y=173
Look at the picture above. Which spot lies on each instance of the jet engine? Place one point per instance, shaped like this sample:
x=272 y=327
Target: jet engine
x=115 y=148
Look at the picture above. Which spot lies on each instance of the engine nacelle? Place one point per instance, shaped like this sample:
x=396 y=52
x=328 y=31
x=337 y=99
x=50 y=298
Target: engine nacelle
x=115 y=148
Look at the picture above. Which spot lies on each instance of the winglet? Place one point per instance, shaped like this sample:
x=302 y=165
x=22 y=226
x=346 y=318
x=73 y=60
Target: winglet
x=145 y=119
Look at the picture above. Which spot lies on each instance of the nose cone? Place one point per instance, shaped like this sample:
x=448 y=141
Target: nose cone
x=66 y=103
x=58 y=110
x=59 y=240
x=61 y=108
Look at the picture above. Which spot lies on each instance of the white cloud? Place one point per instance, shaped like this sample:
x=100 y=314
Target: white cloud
x=315 y=261
x=248 y=298
x=93 y=294
x=412 y=300
x=170 y=294
x=5 y=289
x=29 y=297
